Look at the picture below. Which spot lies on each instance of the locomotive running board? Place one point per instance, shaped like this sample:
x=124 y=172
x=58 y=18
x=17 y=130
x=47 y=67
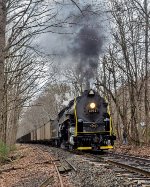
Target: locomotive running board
x=90 y=148
x=106 y=147
x=84 y=148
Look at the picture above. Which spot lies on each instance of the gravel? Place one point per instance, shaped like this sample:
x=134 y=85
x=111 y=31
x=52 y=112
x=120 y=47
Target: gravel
x=89 y=174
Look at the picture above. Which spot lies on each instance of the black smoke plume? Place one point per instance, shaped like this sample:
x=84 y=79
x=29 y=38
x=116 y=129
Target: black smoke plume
x=86 y=46
x=80 y=40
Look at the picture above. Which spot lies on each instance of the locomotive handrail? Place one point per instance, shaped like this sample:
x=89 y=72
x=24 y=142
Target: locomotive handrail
x=75 y=113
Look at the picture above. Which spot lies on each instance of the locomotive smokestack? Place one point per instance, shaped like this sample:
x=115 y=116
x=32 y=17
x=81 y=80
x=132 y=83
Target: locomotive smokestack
x=87 y=87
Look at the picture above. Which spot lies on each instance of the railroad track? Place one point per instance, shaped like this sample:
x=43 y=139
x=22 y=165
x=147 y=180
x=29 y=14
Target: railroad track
x=134 y=170
x=62 y=166
x=129 y=156
x=139 y=168
x=50 y=179
x=137 y=164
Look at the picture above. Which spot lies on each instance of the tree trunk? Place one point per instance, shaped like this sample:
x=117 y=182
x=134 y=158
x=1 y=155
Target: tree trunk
x=146 y=68
x=2 y=78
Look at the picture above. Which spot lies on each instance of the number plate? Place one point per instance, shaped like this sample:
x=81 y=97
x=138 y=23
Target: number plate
x=92 y=110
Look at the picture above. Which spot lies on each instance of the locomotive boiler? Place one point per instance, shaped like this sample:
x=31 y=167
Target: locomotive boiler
x=85 y=124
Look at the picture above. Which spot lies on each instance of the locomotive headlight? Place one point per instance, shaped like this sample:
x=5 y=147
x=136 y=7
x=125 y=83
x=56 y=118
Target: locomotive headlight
x=92 y=105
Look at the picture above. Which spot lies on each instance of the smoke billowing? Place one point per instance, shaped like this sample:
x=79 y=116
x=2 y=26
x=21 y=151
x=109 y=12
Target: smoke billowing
x=81 y=43
x=86 y=45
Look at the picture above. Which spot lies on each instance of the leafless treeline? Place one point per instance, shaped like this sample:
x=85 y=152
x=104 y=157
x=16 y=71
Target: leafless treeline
x=45 y=108
x=123 y=70
x=125 y=75
x=21 y=64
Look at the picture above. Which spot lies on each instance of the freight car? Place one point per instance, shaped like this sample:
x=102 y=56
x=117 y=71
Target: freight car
x=25 y=138
x=85 y=124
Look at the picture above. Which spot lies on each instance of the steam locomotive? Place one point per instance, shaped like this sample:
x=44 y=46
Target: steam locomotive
x=85 y=124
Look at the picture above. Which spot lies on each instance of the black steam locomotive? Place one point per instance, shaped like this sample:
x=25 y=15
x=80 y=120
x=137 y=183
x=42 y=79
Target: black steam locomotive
x=85 y=124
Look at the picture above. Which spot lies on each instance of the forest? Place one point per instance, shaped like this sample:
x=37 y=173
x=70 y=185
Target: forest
x=42 y=65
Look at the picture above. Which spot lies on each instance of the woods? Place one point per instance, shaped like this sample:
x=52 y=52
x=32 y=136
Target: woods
x=122 y=74
x=125 y=69
x=23 y=65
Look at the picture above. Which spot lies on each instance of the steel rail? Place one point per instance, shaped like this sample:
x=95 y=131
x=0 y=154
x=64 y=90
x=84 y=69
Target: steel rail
x=122 y=165
x=46 y=182
x=129 y=156
x=59 y=176
x=131 y=168
x=71 y=165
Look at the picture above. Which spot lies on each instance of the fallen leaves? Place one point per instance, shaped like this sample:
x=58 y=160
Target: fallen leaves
x=30 y=167
x=143 y=151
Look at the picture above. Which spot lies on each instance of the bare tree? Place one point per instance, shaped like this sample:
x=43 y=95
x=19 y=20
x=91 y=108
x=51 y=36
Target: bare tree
x=2 y=78
x=45 y=107
x=23 y=67
x=126 y=63
x=75 y=80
